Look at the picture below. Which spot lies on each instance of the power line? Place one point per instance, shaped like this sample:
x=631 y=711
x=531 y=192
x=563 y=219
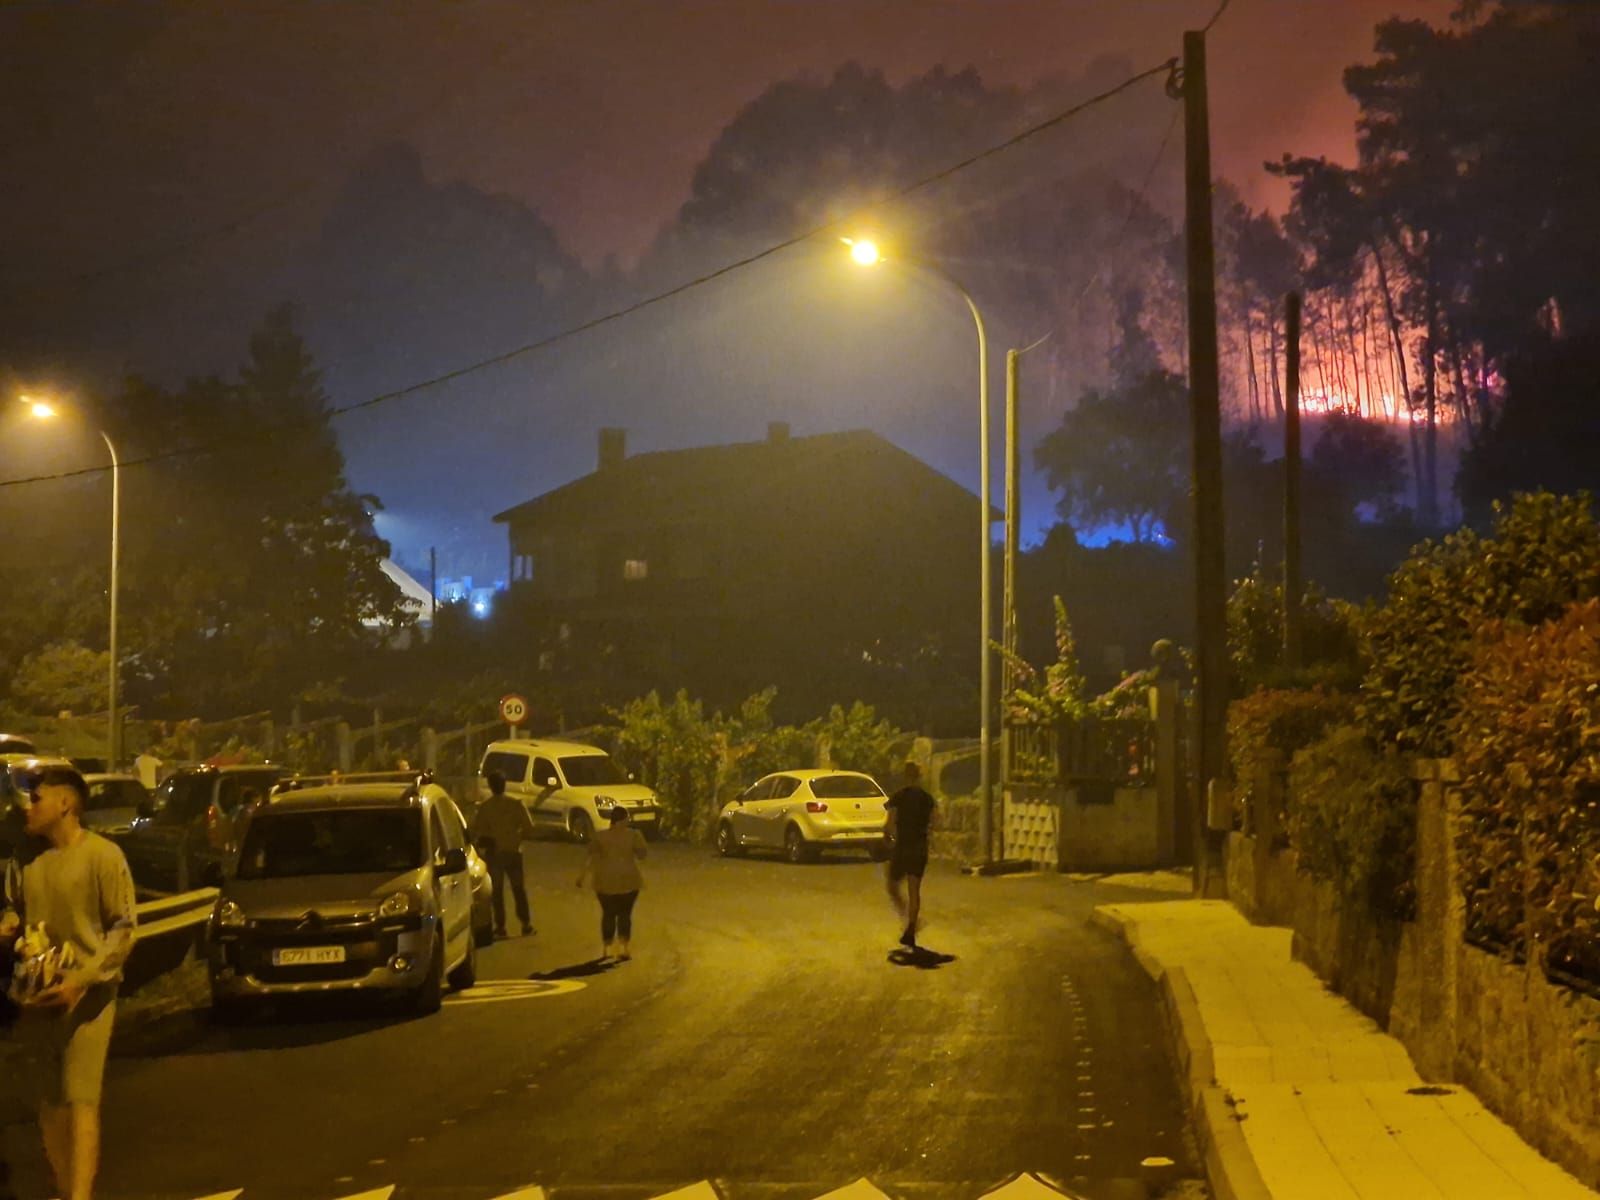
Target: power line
x=698 y=281
x=1216 y=16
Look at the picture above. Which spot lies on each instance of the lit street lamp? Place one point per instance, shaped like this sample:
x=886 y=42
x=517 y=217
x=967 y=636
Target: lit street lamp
x=866 y=253
x=44 y=411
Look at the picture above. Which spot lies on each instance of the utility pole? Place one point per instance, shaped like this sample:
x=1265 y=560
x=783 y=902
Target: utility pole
x=433 y=583
x=1008 y=600
x=1293 y=587
x=1210 y=579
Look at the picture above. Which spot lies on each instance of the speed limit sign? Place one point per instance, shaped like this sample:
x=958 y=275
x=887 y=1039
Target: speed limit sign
x=513 y=709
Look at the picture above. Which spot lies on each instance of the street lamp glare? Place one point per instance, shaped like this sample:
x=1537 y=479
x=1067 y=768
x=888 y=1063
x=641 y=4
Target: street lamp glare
x=864 y=251
x=39 y=408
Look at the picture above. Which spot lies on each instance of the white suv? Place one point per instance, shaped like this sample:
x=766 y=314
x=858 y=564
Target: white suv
x=568 y=786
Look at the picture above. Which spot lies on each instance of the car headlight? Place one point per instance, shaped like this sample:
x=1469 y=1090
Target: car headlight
x=228 y=915
x=398 y=904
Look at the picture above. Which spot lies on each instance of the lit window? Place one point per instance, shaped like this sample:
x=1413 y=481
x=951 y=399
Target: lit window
x=635 y=569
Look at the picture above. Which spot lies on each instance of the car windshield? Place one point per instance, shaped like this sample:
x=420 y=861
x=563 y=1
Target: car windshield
x=115 y=793
x=353 y=841
x=844 y=787
x=591 y=770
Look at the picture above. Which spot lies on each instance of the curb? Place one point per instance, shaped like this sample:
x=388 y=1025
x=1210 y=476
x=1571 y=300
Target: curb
x=1230 y=1167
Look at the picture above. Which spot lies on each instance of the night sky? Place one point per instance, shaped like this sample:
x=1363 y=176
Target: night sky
x=135 y=133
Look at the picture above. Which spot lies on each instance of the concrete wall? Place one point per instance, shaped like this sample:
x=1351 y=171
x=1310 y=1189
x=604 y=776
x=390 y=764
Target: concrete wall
x=1528 y=1048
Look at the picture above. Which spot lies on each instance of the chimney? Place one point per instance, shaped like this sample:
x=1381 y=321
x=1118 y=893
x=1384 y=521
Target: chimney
x=777 y=432
x=613 y=448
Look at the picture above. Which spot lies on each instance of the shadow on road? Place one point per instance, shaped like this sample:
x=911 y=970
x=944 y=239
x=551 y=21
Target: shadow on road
x=583 y=970
x=919 y=957
x=282 y=1024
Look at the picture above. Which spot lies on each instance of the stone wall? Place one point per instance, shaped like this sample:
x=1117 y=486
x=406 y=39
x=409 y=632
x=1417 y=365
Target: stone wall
x=1528 y=1048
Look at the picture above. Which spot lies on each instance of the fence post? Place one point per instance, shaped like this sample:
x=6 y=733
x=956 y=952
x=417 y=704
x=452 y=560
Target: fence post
x=269 y=739
x=346 y=745
x=430 y=749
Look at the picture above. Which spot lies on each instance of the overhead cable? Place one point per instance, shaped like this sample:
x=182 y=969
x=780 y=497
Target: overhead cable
x=826 y=229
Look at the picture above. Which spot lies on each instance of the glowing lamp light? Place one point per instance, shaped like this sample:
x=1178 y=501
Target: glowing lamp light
x=863 y=251
x=39 y=408
x=480 y=608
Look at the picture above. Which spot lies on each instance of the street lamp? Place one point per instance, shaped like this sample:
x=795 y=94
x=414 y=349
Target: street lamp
x=866 y=253
x=44 y=410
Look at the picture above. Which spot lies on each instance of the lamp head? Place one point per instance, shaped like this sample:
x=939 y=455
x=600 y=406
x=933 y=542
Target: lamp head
x=863 y=250
x=40 y=408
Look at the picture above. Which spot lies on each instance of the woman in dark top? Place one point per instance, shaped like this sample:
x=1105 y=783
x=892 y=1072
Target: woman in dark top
x=910 y=812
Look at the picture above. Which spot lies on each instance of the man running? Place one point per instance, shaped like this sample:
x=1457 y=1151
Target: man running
x=910 y=812
x=81 y=892
x=499 y=828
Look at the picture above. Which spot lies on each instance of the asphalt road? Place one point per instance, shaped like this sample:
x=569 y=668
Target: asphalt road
x=762 y=1038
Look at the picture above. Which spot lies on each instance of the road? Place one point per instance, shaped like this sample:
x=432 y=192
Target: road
x=761 y=1039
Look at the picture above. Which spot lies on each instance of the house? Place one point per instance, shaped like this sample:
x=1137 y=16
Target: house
x=791 y=549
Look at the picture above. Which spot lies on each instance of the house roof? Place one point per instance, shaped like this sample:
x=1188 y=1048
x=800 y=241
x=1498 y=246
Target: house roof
x=685 y=483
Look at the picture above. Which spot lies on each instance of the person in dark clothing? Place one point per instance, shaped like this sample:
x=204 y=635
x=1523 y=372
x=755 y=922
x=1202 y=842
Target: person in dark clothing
x=499 y=828
x=910 y=820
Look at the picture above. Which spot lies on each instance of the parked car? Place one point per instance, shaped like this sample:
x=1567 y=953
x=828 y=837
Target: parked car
x=15 y=743
x=115 y=802
x=189 y=833
x=358 y=886
x=803 y=813
x=568 y=786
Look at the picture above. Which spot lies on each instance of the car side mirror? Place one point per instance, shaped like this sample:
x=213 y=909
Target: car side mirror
x=549 y=781
x=453 y=863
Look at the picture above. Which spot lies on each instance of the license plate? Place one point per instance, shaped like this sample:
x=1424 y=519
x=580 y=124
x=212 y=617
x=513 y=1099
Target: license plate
x=308 y=956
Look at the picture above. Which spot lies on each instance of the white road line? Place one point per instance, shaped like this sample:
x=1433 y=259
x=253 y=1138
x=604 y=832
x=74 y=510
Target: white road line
x=1024 y=1187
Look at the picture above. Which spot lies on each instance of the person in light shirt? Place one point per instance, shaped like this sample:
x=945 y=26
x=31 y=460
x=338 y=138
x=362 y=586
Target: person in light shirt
x=613 y=864
x=80 y=891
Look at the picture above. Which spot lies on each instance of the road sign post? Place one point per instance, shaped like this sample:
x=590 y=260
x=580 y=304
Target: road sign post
x=513 y=711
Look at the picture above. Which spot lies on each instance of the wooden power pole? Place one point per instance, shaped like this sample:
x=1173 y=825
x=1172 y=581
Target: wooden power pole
x=1293 y=583
x=1210 y=579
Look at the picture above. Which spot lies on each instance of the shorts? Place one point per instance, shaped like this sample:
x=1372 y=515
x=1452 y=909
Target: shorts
x=64 y=1053
x=908 y=860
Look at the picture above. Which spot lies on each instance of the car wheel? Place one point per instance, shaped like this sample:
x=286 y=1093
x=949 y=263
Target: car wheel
x=652 y=831
x=427 y=998
x=879 y=852
x=580 y=826
x=728 y=842
x=795 y=847
x=483 y=933
x=466 y=974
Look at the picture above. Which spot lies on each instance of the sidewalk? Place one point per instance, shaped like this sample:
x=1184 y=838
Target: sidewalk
x=1298 y=1096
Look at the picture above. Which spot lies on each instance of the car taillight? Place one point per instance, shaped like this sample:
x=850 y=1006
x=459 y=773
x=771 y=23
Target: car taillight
x=816 y=806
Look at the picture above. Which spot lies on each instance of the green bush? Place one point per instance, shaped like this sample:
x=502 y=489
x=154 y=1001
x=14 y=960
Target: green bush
x=696 y=762
x=1328 y=638
x=1527 y=732
x=1054 y=694
x=1272 y=724
x=1542 y=554
x=1353 y=820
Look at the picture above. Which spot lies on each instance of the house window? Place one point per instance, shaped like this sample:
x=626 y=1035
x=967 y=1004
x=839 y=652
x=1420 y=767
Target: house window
x=635 y=569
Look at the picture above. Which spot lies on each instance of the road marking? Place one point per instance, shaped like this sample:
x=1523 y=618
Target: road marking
x=493 y=991
x=1023 y=1187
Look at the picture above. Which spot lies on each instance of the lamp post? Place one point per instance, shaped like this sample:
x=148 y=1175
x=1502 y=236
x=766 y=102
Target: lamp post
x=866 y=253
x=44 y=411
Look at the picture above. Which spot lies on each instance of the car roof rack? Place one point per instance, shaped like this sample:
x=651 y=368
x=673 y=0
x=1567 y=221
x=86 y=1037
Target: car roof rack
x=294 y=783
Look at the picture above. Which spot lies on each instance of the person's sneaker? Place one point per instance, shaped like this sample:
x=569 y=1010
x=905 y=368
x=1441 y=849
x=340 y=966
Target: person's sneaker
x=528 y=931
x=500 y=933
x=908 y=939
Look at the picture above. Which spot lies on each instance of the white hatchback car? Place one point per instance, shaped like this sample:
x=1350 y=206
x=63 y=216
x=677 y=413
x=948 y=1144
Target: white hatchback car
x=803 y=813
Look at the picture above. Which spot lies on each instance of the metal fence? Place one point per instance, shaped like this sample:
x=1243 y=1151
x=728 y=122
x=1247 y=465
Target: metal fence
x=1118 y=750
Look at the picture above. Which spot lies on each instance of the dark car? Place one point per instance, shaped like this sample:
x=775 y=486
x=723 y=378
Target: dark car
x=189 y=832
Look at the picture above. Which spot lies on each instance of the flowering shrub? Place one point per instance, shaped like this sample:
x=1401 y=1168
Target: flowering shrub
x=1051 y=695
x=1527 y=732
